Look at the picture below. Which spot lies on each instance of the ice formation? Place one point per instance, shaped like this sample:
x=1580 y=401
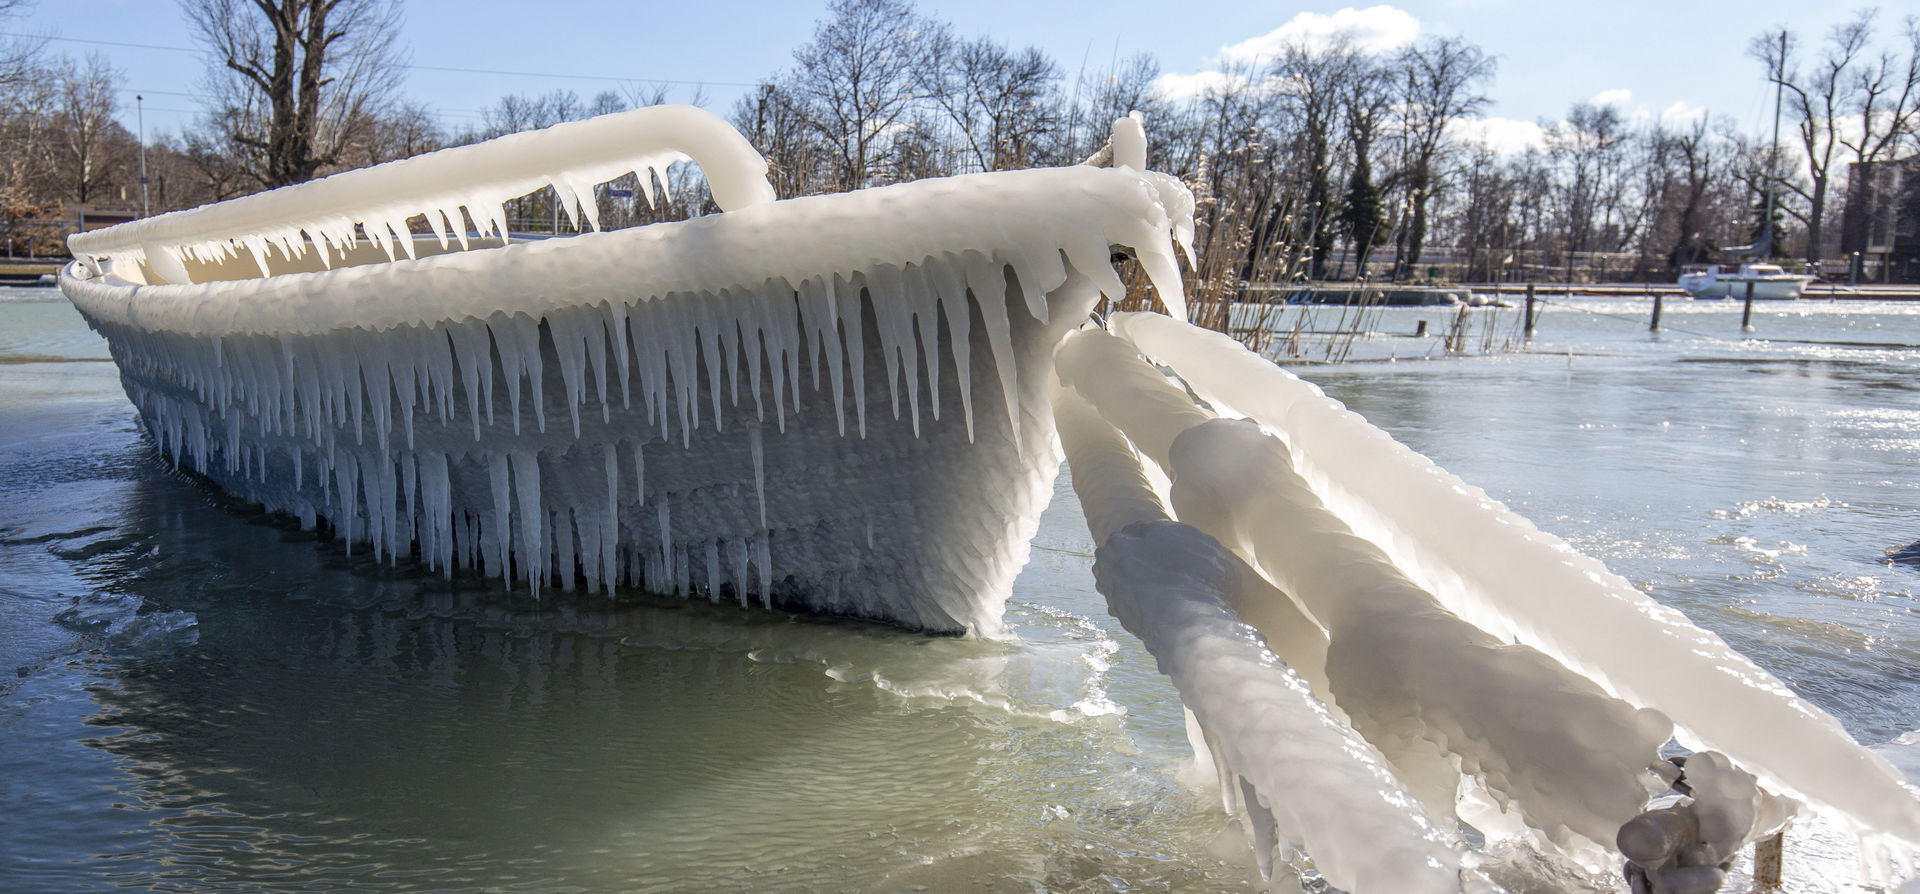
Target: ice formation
x=847 y=405
x=1495 y=569
x=653 y=406
x=316 y=221
x=1300 y=775
x=1440 y=690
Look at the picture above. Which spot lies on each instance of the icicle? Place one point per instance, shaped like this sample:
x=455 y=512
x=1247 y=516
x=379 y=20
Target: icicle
x=562 y=546
x=664 y=515
x=885 y=290
x=710 y=324
x=765 y=560
x=835 y=354
x=950 y=285
x=1038 y=271
x=753 y=345
x=502 y=511
x=759 y=469
x=740 y=571
x=640 y=473
x=926 y=323
x=856 y=343
x=526 y=481
x=987 y=281
x=617 y=328
x=713 y=571
x=609 y=524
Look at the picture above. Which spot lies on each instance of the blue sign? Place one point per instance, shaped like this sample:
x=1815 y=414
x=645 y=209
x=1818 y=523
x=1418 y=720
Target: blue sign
x=620 y=193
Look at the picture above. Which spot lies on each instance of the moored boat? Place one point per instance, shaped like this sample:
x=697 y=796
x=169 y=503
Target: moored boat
x=1770 y=281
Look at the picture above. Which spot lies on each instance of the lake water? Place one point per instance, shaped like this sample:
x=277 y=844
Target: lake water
x=195 y=697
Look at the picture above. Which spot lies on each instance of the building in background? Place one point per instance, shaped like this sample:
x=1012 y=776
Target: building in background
x=1881 y=221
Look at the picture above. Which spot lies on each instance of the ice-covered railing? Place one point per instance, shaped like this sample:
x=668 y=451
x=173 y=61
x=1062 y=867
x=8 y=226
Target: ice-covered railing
x=1502 y=731
x=1497 y=570
x=321 y=216
x=1297 y=773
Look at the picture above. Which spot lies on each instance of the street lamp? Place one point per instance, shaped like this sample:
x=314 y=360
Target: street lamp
x=140 y=112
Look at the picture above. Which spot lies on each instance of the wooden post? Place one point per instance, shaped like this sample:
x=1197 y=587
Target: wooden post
x=1654 y=326
x=1530 y=300
x=1767 y=854
x=1746 y=315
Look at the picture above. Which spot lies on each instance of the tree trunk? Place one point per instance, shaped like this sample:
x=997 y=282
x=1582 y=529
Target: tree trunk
x=1816 y=214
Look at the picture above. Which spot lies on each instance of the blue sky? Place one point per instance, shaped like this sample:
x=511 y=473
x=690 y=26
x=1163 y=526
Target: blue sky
x=1652 y=58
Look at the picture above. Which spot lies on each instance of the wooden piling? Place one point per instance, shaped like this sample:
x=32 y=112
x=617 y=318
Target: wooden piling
x=1746 y=315
x=1767 y=858
x=1654 y=325
x=1530 y=301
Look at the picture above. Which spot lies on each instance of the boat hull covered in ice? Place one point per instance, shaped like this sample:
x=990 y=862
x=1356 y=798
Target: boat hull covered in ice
x=832 y=404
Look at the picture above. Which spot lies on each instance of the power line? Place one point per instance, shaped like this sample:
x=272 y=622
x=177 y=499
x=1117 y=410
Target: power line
x=440 y=68
x=576 y=77
x=104 y=43
x=157 y=92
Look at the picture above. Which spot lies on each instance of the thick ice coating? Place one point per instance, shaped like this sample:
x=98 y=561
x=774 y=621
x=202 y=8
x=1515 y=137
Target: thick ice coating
x=321 y=215
x=1431 y=691
x=1495 y=569
x=653 y=406
x=1303 y=777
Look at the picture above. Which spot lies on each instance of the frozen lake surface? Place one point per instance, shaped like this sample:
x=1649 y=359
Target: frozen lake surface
x=201 y=698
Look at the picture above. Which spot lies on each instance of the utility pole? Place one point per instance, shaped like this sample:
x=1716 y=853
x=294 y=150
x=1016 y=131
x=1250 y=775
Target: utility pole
x=140 y=110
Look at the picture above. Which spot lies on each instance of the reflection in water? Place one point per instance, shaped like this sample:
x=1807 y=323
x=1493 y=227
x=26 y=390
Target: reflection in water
x=341 y=723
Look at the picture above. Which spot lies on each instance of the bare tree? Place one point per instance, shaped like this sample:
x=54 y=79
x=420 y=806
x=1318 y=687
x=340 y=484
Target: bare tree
x=1885 y=99
x=1367 y=93
x=855 y=82
x=1821 y=100
x=19 y=56
x=1312 y=79
x=1443 y=79
x=777 y=123
x=1100 y=97
x=999 y=103
x=296 y=81
x=1587 y=147
x=91 y=142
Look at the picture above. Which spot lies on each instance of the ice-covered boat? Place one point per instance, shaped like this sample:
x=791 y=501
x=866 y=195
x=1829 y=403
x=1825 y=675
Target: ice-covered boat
x=829 y=403
x=1769 y=281
x=856 y=405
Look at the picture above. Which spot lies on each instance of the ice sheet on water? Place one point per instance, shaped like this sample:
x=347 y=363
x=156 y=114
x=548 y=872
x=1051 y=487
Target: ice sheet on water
x=116 y=618
x=154 y=631
x=95 y=612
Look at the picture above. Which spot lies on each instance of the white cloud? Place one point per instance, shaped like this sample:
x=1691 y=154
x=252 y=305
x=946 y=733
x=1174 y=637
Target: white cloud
x=1506 y=136
x=1187 y=86
x=1374 y=29
x=1681 y=111
x=1618 y=96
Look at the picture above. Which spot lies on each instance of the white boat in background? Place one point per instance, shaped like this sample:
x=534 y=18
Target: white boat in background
x=1770 y=282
